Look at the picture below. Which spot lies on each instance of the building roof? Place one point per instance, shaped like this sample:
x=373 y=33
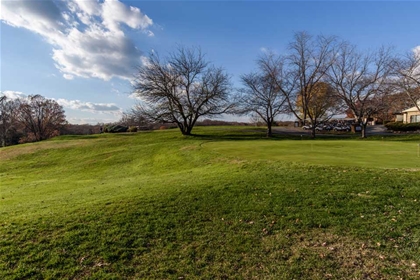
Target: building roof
x=412 y=109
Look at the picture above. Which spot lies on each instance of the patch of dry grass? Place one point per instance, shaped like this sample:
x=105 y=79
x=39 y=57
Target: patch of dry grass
x=320 y=254
x=31 y=148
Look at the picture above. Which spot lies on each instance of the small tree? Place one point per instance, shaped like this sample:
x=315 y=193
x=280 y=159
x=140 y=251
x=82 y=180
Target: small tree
x=261 y=94
x=41 y=117
x=182 y=88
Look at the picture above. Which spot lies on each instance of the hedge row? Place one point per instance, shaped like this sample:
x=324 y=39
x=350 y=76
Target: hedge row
x=399 y=126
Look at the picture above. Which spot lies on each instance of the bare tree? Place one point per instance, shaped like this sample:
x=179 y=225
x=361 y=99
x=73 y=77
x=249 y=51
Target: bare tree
x=9 y=125
x=407 y=80
x=41 y=117
x=182 y=88
x=261 y=94
x=360 y=80
x=309 y=60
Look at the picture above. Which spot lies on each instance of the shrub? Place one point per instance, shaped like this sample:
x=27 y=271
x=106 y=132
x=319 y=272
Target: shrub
x=132 y=129
x=30 y=137
x=115 y=128
x=399 y=126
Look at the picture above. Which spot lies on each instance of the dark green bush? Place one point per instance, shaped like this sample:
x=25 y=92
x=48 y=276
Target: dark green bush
x=115 y=128
x=399 y=126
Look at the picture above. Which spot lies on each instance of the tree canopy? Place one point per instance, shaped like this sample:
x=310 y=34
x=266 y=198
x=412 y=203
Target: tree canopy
x=41 y=117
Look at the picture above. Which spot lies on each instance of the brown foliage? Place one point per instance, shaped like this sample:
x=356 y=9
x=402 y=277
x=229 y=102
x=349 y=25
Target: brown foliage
x=41 y=117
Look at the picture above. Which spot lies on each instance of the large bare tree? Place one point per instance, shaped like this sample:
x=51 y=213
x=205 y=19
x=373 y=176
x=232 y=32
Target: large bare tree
x=407 y=80
x=261 y=94
x=360 y=80
x=182 y=88
x=41 y=117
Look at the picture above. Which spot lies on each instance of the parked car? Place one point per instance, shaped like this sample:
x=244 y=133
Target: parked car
x=327 y=127
x=341 y=128
x=306 y=127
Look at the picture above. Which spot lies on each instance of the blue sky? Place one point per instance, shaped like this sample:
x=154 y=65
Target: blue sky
x=83 y=53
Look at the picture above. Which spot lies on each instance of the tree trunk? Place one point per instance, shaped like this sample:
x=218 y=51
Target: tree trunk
x=269 y=130
x=364 y=130
x=313 y=132
x=188 y=132
x=3 y=136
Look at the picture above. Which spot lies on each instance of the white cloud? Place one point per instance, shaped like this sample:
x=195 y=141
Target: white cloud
x=149 y=33
x=90 y=8
x=416 y=51
x=114 y=13
x=264 y=50
x=42 y=17
x=90 y=107
x=109 y=108
x=268 y=51
x=134 y=96
x=13 y=94
x=145 y=61
x=88 y=37
x=91 y=120
x=68 y=76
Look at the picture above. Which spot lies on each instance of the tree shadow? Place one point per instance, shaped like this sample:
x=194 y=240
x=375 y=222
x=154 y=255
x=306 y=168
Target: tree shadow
x=249 y=134
x=245 y=135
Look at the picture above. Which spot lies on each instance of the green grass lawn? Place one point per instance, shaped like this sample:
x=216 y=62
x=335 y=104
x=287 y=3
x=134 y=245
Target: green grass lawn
x=226 y=203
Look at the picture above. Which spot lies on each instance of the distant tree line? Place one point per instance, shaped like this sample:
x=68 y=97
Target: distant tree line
x=81 y=129
x=317 y=78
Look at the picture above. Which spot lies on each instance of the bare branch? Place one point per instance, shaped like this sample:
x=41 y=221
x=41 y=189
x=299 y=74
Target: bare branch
x=262 y=94
x=182 y=88
x=360 y=80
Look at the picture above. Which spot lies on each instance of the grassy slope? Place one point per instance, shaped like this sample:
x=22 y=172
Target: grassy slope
x=219 y=205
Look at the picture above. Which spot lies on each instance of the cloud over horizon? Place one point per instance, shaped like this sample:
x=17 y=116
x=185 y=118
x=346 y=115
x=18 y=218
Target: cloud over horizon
x=90 y=106
x=10 y=94
x=105 y=108
x=90 y=120
x=88 y=37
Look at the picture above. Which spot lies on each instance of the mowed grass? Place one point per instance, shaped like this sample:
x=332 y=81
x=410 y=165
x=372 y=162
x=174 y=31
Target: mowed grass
x=224 y=204
x=367 y=154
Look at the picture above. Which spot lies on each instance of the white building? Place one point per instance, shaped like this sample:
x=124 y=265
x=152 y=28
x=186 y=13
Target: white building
x=411 y=115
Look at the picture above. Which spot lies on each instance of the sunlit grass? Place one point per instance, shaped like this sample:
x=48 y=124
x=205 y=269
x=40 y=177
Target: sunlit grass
x=357 y=153
x=226 y=203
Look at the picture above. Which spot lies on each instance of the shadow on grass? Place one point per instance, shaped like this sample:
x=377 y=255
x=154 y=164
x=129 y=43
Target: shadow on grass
x=397 y=137
x=94 y=136
x=245 y=135
x=255 y=133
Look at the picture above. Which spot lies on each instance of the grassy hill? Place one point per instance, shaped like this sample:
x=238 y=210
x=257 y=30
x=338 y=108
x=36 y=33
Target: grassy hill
x=226 y=203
